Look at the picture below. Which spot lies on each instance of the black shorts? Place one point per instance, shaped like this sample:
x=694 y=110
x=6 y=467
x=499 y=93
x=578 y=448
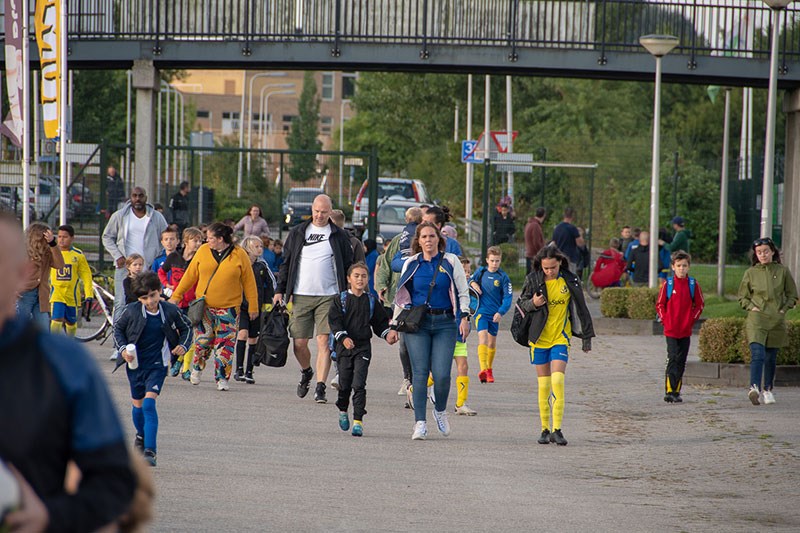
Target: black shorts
x=144 y=380
x=253 y=327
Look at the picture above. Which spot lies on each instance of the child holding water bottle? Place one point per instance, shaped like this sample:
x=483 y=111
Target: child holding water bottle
x=146 y=334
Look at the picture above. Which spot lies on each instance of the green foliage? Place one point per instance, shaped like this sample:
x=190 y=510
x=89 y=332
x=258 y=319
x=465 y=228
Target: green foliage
x=305 y=131
x=642 y=303
x=614 y=302
x=99 y=106
x=510 y=254
x=721 y=340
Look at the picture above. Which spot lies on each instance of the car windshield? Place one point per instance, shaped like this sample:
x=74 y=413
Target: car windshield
x=391 y=214
x=301 y=197
x=387 y=190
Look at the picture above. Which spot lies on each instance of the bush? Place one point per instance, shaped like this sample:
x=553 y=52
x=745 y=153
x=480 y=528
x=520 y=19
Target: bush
x=642 y=304
x=510 y=253
x=614 y=302
x=724 y=340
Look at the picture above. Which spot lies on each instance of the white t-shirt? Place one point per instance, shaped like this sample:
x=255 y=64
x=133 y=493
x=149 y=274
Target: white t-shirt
x=134 y=240
x=316 y=275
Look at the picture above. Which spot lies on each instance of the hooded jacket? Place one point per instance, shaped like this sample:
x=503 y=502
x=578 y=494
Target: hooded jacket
x=459 y=290
x=772 y=290
x=116 y=233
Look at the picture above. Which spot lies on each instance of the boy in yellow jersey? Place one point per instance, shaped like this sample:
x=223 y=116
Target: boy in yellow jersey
x=65 y=293
x=554 y=296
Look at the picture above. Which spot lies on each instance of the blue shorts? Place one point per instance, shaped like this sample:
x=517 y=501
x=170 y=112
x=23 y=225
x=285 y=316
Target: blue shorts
x=61 y=311
x=144 y=380
x=485 y=323
x=542 y=356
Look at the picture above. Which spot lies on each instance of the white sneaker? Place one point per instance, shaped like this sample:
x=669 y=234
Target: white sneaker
x=769 y=398
x=431 y=395
x=420 y=430
x=404 y=387
x=753 y=394
x=441 y=422
x=222 y=384
x=335 y=382
x=113 y=356
x=410 y=396
x=465 y=410
x=194 y=377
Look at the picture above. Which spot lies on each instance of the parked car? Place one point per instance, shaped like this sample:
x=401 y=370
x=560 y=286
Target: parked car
x=388 y=189
x=10 y=201
x=82 y=201
x=391 y=218
x=47 y=200
x=297 y=205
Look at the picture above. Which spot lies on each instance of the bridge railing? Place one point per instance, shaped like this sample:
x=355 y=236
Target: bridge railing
x=704 y=27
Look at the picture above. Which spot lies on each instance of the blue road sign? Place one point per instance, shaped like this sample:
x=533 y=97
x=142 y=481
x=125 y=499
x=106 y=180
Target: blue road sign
x=469 y=152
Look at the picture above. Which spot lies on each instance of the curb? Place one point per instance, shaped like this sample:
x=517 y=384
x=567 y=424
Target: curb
x=629 y=326
x=735 y=374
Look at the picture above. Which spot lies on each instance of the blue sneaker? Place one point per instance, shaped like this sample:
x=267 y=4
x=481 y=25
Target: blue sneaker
x=358 y=429
x=344 y=421
x=186 y=376
x=150 y=457
x=176 y=368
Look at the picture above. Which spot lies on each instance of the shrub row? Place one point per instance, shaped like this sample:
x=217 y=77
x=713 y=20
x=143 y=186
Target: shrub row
x=724 y=340
x=627 y=302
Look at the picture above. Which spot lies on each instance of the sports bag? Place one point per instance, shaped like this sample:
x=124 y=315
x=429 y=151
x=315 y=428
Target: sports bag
x=273 y=340
x=521 y=325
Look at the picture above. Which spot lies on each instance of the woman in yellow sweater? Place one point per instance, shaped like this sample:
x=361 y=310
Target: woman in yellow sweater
x=222 y=273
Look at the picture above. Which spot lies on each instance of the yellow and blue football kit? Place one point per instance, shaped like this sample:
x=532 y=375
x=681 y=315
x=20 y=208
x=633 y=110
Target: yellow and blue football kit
x=65 y=290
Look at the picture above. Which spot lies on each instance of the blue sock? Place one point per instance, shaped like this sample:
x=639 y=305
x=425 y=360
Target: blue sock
x=138 y=420
x=150 y=423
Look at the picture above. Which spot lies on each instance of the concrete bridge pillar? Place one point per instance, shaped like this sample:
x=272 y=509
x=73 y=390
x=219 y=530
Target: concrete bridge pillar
x=791 y=187
x=147 y=83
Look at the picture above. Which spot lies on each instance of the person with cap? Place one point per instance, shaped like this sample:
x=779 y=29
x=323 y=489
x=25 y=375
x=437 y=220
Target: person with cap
x=681 y=239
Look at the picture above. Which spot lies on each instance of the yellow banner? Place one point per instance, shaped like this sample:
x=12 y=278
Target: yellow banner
x=48 y=37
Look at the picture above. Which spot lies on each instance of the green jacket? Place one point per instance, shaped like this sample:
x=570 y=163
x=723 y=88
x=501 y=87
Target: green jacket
x=771 y=289
x=679 y=242
x=385 y=278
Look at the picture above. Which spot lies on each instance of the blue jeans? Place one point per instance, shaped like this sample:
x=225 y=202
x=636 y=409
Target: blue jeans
x=431 y=351
x=28 y=306
x=762 y=360
x=119 y=292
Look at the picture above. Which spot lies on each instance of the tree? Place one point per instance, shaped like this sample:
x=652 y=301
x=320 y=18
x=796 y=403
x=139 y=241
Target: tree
x=304 y=133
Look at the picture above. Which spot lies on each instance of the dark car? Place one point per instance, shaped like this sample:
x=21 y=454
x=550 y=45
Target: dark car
x=82 y=201
x=297 y=205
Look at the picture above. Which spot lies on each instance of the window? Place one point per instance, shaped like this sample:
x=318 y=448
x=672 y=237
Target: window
x=348 y=85
x=230 y=122
x=327 y=85
x=326 y=125
x=202 y=114
x=288 y=118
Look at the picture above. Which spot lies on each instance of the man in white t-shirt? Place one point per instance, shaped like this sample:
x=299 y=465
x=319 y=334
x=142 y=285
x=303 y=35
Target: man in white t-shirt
x=316 y=256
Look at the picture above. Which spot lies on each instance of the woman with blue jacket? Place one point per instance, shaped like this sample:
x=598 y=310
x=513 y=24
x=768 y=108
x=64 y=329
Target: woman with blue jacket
x=431 y=347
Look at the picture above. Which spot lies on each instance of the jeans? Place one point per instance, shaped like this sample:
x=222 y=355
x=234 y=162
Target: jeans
x=431 y=351
x=119 y=292
x=28 y=306
x=762 y=360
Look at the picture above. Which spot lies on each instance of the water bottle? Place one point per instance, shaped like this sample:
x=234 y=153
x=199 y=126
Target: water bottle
x=131 y=349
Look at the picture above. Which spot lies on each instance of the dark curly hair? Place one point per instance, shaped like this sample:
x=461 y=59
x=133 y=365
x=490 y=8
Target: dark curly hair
x=221 y=231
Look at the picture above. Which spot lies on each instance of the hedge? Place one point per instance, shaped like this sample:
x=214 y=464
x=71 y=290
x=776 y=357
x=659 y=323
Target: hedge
x=627 y=302
x=614 y=302
x=642 y=304
x=723 y=340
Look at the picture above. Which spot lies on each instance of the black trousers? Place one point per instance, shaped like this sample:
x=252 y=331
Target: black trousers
x=353 y=369
x=677 y=350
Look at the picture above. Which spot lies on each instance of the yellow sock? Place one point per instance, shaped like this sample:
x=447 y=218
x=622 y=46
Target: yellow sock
x=490 y=357
x=462 y=386
x=558 y=399
x=357 y=422
x=482 y=356
x=187 y=359
x=544 y=401
x=430 y=380
x=56 y=327
x=72 y=329
x=668 y=385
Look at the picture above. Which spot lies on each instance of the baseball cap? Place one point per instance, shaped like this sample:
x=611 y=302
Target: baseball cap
x=678 y=220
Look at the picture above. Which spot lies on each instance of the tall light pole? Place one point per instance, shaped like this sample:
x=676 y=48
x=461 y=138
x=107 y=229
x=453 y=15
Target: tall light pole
x=723 y=197
x=264 y=111
x=341 y=145
x=658 y=46
x=769 y=144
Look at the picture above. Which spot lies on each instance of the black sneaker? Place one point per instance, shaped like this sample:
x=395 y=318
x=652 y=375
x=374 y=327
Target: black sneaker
x=669 y=398
x=239 y=375
x=558 y=438
x=138 y=443
x=150 y=457
x=305 y=381
x=676 y=397
x=545 y=438
x=248 y=378
x=319 y=393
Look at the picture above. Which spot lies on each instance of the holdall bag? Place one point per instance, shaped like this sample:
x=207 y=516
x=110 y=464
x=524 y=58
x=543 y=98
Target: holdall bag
x=521 y=325
x=409 y=320
x=273 y=341
x=197 y=308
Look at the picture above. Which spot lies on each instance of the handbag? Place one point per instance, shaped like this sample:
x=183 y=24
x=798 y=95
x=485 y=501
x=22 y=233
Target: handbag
x=521 y=325
x=409 y=320
x=197 y=308
x=273 y=340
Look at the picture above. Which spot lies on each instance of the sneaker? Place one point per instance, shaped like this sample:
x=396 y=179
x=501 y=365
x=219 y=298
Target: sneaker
x=305 y=382
x=482 y=376
x=489 y=376
x=176 y=368
x=248 y=378
x=465 y=410
x=420 y=430
x=676 y=397
x=557 y=437
x=238 y=375
x=404 y=387
x=358 y=429
x=344 y=421
x=319 y=393
x=150 y=457
x=753 y=394
x=669 y=398
x=138 y=443
x=441 y=422
x=410 y=397
x=194 y=377
x=222 y=384
x=113 y=356
x=769 y=398
x=186 y=376
x=545 y=437
x=431 y=395
x=335 y=382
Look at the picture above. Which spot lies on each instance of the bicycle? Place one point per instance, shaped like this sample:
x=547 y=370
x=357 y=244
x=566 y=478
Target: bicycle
x=96 y=320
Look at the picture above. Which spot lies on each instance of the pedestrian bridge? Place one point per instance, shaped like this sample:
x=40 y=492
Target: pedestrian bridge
x=722 y=42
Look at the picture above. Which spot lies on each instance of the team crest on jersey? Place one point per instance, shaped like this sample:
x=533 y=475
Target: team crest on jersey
x=442 y=270
x=64 y=274
x=497 y=283
x=564 y=289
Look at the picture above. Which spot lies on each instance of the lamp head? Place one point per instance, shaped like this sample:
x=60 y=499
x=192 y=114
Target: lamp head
x=659 y=45
x=777 y=4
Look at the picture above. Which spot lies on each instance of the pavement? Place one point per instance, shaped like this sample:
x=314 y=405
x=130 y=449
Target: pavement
x=258 y=458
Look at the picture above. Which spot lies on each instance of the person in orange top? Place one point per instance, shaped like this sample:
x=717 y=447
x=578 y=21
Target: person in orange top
x=232 y=277
x=34 y=298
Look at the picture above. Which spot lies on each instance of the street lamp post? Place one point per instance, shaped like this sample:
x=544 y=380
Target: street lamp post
x=769 y=144
x=658 y=46
x=341 y=145
x=264 y=111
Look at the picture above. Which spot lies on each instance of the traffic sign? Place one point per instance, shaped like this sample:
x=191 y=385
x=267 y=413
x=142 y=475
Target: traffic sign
x=469 y=152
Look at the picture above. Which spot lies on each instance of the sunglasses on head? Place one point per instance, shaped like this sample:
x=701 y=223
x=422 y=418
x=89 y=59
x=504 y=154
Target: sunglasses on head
x=762 y=241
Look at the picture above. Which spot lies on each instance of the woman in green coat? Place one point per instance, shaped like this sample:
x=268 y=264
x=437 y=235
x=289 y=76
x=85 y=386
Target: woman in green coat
x=766 y=292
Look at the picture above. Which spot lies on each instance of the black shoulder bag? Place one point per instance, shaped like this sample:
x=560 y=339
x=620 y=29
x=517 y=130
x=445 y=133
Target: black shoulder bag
x=408 y=320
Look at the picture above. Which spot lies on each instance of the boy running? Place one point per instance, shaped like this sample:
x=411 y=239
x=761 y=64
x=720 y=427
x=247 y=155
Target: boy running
x=65 y=296
x=679 y=305
x=494 y=287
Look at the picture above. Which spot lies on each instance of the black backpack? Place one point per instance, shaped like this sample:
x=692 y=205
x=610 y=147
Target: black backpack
x=273 y=340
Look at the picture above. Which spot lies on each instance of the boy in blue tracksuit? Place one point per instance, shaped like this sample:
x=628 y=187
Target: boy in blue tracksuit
x=158 y=329
x=494 y=287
